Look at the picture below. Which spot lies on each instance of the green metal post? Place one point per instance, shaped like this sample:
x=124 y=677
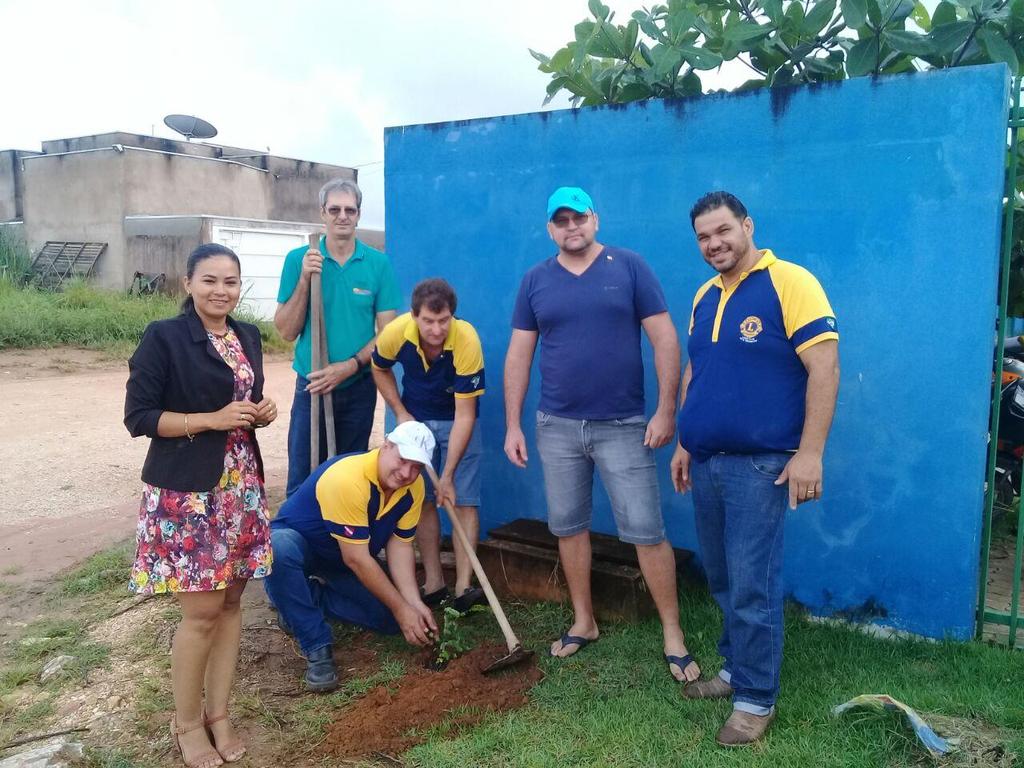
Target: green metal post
x=1004 y=289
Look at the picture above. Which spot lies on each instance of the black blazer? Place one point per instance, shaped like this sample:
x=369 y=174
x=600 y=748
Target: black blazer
x=176 y=368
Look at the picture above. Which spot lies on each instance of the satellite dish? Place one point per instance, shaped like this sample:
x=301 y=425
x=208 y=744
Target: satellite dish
x=190 y=127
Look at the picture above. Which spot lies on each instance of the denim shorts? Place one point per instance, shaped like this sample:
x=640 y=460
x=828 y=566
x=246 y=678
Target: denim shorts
x=571 y=448
x=467 y=474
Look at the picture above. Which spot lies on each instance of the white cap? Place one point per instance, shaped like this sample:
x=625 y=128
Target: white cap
x=414 y=441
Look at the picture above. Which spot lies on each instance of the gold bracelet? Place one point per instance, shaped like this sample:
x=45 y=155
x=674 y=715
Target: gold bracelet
x=188 y=434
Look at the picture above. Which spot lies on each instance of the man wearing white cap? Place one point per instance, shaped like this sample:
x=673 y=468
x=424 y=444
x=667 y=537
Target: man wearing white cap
x=326 y=539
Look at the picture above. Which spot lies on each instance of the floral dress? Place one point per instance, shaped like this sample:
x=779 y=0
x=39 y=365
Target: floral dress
x=199 y=541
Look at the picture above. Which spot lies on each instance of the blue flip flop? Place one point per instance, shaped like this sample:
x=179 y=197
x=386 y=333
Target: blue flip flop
x=680 y=661
x=581 y=642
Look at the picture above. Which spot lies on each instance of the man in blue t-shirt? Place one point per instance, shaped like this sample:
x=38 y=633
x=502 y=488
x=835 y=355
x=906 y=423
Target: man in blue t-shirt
x=587 y=306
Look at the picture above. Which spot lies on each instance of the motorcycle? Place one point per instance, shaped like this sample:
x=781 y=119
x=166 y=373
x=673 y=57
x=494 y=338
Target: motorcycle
x=1010 y=442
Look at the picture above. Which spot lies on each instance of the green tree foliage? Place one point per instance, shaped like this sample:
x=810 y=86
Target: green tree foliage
x=663 y=51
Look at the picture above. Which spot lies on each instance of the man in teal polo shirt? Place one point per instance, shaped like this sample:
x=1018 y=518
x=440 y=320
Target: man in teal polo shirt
x=360 y=296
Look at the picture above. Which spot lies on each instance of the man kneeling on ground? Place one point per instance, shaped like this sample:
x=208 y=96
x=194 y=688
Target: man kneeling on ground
x=326 y=539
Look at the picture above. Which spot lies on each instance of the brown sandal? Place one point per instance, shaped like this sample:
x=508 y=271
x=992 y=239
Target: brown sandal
x=230 y=753
x=209 y=759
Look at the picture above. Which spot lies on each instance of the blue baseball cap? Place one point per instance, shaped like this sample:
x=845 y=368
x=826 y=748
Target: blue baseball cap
x=569 y=197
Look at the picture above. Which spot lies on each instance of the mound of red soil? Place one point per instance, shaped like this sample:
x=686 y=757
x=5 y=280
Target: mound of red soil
x=390 y=719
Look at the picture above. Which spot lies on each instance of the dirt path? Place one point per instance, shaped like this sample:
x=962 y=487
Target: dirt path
x=63 y=448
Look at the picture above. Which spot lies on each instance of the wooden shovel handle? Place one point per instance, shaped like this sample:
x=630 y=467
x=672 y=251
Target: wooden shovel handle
x=506 y=629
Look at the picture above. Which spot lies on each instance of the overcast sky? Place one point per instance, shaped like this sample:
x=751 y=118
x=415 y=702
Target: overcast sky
x=310 y=80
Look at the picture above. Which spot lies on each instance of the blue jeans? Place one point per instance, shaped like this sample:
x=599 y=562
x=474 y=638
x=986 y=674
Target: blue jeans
x=739 y=515
x=304 y=605
x=570 y=449
x=353 y=420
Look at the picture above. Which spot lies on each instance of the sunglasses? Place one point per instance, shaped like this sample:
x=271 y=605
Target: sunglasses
x=334 y=211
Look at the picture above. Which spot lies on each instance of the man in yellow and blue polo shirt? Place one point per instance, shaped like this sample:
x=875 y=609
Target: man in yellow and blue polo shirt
x=326 y=539
x=757 y=403
x=442 y=378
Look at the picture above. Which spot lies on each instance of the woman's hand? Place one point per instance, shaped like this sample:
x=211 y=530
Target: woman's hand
x=238 y=414
x=266 y=412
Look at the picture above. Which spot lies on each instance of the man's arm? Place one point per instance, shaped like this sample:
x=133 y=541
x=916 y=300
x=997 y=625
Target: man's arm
x=679 y=467
x=462 y=430
x=804 y=470
x=517 y=379
x=402 y=565
x=383 y=318
x=662 y=333
x=290 y=317
x=384 y=378
x=366 y=568
x=326 y=379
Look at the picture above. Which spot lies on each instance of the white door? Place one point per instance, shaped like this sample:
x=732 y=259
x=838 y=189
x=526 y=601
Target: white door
x=261 y=252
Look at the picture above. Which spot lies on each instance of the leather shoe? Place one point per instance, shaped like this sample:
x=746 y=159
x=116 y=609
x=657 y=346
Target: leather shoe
x=435 y=598
x=743 y=728
x=712 y=688
x=321 y=676
x=469 y=598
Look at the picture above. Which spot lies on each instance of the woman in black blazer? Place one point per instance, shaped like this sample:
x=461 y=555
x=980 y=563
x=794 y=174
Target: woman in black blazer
x=195 y=388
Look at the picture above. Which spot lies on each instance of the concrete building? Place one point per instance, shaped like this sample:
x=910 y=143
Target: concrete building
x=151 y=200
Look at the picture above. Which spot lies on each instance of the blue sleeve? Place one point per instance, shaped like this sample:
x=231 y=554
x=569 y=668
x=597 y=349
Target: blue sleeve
x=388 y=297
x=290 y=274
x=648 y=297
x=523 y=317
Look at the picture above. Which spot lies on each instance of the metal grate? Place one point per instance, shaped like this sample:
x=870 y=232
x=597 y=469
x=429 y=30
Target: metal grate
x=59 y=261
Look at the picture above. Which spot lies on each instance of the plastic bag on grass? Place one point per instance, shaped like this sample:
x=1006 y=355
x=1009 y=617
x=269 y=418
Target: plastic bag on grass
x=935 y=744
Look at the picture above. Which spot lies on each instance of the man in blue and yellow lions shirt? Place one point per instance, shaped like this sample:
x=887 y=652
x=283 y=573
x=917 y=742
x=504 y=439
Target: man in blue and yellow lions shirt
x=326 y=539
x=757 y=403
x=442 y=378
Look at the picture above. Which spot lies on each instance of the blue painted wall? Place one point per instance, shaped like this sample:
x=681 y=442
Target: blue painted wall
x=888 y=190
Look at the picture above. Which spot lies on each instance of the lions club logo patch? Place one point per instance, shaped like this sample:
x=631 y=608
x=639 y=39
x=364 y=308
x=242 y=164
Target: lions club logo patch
x=750 y=328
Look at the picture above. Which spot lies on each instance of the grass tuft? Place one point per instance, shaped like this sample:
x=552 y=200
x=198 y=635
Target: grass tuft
x=106 y=571
x=115 y=758
x=15 y=258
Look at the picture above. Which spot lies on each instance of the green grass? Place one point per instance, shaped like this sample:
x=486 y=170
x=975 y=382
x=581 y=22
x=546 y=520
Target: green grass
x=105 y=571
x=18 y=720
x=116 y=758
x=48 y=638
x=15 y=258
x=81 y=597
x=614 y=703
x=85 y=316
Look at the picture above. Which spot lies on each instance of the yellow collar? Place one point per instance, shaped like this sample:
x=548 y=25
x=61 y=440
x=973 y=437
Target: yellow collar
x=370 y=466
x=766 y=260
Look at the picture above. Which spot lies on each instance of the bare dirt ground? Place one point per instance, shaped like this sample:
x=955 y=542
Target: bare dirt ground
x=63 y=447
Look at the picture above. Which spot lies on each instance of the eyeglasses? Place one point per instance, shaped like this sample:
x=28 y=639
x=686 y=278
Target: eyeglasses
x=334 y=211
x=579 y=219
